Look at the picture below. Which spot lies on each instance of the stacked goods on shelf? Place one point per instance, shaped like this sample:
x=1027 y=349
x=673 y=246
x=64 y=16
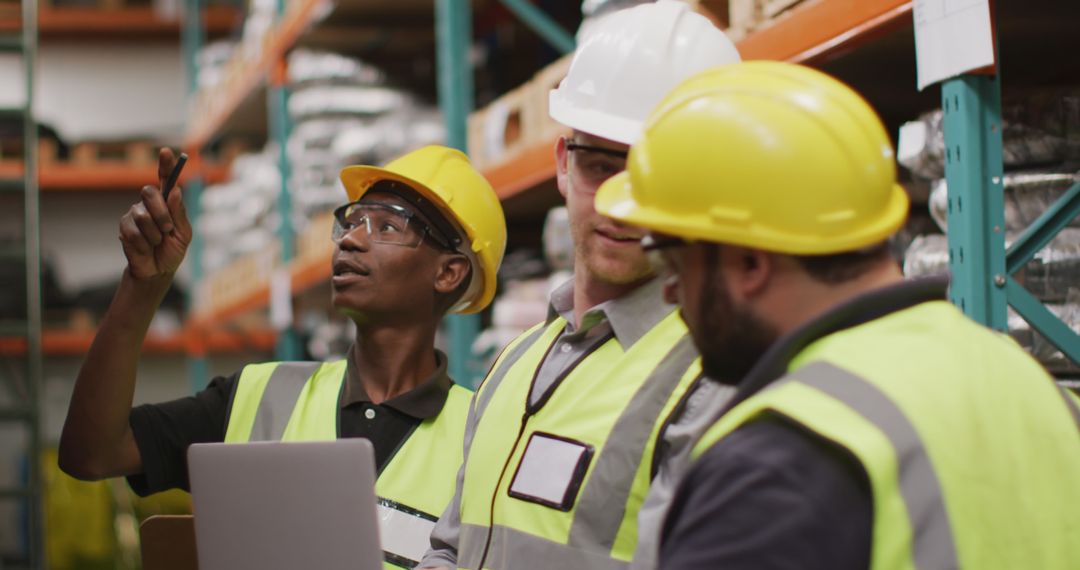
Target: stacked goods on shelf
x=344 y=113
x=517 y=120
x=1041 y=152
x=527 y=281
x=740 y=17
x=238 y=220
x=213 y=67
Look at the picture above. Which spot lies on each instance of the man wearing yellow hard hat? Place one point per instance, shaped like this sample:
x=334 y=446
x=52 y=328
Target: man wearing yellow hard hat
x=874 y=425
x=419 y=238
x=570 y=424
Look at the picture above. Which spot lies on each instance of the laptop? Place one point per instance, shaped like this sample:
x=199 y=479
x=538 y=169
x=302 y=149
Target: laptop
x=285 y=505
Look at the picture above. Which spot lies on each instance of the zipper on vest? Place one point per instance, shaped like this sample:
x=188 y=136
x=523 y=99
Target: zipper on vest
x=530 y=410
x=498 y=485
x=517 y=441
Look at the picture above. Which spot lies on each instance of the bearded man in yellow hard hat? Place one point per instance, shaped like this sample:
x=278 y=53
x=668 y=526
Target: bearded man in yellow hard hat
x=419 y=238
x=874 y=425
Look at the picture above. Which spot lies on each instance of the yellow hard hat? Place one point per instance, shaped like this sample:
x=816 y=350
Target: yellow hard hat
x=769 y=155
x=446 y=177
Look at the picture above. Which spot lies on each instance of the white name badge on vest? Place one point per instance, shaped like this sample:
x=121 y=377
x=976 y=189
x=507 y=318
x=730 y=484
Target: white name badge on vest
x=551 y=471
x=404 y=532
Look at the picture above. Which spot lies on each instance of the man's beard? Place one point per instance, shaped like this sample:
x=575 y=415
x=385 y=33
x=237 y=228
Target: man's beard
x=732 y=338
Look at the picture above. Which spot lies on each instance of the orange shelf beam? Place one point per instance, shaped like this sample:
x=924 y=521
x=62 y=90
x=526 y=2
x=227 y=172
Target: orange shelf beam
x=530 y=167
x=75 y=343
x=810 y=32
x=131 y=22
x=816 y=29
x=104 y=176
x=304 y=274
x=284 y=37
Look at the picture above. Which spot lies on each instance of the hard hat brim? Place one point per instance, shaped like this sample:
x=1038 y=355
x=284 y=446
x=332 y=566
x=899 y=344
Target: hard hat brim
x=593 y=122
x=615 y=199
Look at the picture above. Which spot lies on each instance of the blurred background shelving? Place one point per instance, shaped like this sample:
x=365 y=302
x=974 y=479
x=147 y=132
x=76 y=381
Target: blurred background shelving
x=272 y=97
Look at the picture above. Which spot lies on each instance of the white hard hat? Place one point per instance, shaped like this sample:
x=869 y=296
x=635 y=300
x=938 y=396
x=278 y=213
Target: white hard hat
x=629 y=61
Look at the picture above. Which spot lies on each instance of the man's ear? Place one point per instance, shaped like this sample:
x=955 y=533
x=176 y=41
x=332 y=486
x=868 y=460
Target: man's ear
x=748 y=271
x=562 y=156
x=453 y=271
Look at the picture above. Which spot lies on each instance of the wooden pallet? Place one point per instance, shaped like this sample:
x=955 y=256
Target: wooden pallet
x=543 y=127
x=500 y=131
x=134 y=153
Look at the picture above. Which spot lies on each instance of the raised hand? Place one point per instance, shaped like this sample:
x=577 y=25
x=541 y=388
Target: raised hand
x=155 y=234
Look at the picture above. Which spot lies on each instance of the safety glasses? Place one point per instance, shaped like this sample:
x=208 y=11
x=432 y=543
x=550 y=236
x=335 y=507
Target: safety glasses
x=384 y=223
x=657 y=250
x=595 y=164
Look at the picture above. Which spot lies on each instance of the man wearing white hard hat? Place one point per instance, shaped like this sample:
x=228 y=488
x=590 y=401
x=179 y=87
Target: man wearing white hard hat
x=568 y=430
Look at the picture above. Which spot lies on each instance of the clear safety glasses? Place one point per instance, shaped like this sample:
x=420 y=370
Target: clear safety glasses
x=384 y=223
x=657 y=250
x=595 y=164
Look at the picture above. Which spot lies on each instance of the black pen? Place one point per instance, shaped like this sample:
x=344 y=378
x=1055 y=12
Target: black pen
x=170 y=182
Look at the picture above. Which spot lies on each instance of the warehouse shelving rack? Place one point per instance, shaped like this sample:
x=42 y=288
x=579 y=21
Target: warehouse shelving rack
x=525 y=181
x=847 y=38
x=983 y=269
x=453 y=30
x=22 y=376
x=136 y=24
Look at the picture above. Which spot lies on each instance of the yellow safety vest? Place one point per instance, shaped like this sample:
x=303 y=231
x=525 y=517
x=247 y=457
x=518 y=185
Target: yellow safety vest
x=971 y=450
x=299 y=401
x=614 y=402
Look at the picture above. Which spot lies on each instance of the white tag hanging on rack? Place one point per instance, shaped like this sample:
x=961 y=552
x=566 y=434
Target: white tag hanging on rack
x=952 y=37
x=281 y=314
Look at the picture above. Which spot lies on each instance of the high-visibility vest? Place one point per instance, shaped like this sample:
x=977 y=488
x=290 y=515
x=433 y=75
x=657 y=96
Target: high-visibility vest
x=299 y=401
x=972 y=451
x=614 y=401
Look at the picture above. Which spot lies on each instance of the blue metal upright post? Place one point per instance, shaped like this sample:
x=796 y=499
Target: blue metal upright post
x=453 y=30
x=973 y=170
x=288 y=342
x=192 y=38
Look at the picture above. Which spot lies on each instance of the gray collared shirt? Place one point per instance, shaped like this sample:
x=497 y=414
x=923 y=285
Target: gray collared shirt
x=628 y=319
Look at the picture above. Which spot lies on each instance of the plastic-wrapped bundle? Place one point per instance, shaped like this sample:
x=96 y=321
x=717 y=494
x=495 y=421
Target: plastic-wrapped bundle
x=1049 y=276
x=1035 y=192
x=311 y=66
x=357 y=144
x=425 y=127
x=927 y=255
x=1055 y=270
x=1055 y=112
x=922 y=146
x=1027 y=195
x=240 y=216
x=1038 y=346
x=336 y=100
x=212 y=59
x=318 y=134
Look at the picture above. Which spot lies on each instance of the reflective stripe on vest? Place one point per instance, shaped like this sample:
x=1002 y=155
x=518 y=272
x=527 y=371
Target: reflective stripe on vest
x=299 y=401
x=613 y=400
x=930 y=439
x=523 y=551
x=1070 y=401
